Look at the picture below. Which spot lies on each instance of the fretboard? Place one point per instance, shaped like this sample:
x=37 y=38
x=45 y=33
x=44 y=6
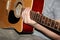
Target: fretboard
x=39 y=18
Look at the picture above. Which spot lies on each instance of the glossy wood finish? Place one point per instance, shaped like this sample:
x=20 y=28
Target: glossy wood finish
x=4 y=12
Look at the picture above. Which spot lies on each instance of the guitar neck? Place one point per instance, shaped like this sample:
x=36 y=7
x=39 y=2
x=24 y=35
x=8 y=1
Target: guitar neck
x=45 y=21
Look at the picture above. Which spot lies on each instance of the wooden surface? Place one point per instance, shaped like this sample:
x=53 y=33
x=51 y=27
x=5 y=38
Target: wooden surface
x=4 y=23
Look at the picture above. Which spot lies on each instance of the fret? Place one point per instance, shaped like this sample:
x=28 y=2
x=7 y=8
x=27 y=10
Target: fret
x=56 y=25
x=49 y=22
x=53 y=24
x=43 y=20
x=38 y=18
x=32 y=13
x=35 y=17
x=46 y=21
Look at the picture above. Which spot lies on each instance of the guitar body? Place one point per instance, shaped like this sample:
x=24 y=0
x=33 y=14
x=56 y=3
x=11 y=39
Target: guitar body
x=9 y=18
x=8 y=7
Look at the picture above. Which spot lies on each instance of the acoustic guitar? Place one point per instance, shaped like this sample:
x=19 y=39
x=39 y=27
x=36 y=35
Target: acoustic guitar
x=10 y=14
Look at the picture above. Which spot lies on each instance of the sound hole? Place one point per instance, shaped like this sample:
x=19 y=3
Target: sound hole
x=11 y=18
